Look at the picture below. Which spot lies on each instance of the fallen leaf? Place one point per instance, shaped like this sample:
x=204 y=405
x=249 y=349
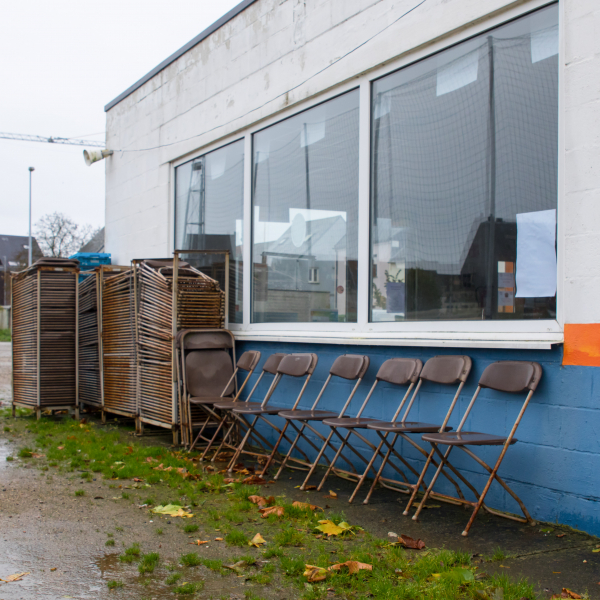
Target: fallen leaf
x=272 y=510
x=566 y=593
x=257 y=540
x=330 y=528
x=559 y=535
x=15 y=577
x=218 y=539
x=313 y=573
x=61 y=447
x=262 y=501
x=150 y=459
x=408 y=542
x=36 y=455
x=53 y=569
x=353 y=566
x=198 y=543
x=237 y=567
x=98 y=497
x=309 y=487
x=332 y=494
x=306 y=506
x=173 y=510
x=596 y=550
x=254 y=480
x=137 y=479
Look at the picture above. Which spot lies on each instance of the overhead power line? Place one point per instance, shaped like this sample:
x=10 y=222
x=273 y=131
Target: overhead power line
x=20 y=137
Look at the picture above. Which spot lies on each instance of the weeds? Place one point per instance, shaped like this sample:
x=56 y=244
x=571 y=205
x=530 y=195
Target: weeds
x=110 y=542
x=189 y=588
x=190 y=560
x=173 y=578
x=191 y=528
x=80 y=492
x=148 y=562
x=111 y=585
x=236 y=538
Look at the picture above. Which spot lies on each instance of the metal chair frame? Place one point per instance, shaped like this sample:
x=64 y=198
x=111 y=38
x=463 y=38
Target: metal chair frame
x=463 y=438
x=228 y=417
x=407 y=427
x=185 y=410
x=264 y=409
x=213 y=412
x=344 y=441
x=315 y=415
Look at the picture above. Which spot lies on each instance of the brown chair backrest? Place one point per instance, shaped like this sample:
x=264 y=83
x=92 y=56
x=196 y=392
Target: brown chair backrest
x=298 y=365
x=272 y=363
x=511 y=376
x=207 y=373
x=248 y=360
x=447 y=369
x=350 y=366
x=211 y=339
x=400 y=371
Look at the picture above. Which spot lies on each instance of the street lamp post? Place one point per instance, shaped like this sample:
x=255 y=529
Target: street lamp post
x=31 y=170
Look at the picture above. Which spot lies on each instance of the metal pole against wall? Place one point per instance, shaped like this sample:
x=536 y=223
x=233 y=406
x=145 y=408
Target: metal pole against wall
x=31 y=170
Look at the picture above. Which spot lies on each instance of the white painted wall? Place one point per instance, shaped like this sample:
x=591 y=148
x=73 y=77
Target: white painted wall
x=240 y=74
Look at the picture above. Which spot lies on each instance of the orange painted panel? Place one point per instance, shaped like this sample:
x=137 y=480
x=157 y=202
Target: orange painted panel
x=582 y=345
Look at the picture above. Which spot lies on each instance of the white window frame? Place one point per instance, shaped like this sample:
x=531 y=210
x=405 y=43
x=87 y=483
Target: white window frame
x=513 y=334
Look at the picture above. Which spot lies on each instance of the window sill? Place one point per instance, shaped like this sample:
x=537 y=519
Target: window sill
x=507 y=340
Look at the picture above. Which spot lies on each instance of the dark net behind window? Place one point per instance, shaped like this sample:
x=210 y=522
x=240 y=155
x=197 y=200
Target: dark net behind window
x=463 y=142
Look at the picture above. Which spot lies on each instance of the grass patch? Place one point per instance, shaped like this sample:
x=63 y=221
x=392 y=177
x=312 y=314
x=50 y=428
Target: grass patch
x=25 y=453
x=80 y=492
x=10 y=458
x=498 y=555
x=190 y=560
x=236 y=538
x=110 y=542
x=173 y=578
x=110 y=451
x=189 y=588
x=148 y=562
x=5 y=335
x=112 y=585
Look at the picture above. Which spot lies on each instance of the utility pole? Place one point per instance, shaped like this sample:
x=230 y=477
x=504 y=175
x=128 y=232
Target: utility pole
x=31 y=170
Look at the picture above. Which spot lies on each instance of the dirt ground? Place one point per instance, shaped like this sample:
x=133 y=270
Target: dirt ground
x=60 y=539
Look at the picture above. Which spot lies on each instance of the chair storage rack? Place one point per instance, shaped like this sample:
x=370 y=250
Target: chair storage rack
x=45 y=324
x=169 y=296
x=116 y=347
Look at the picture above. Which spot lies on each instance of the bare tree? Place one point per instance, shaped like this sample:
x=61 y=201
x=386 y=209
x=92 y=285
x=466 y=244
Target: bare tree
x=60 y=236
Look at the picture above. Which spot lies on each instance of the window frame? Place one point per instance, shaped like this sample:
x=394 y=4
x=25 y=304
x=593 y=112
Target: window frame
x=538 y=334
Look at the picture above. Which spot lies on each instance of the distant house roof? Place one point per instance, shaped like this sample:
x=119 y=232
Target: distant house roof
x=96 y=244
x=14 y=250
x=234 y=12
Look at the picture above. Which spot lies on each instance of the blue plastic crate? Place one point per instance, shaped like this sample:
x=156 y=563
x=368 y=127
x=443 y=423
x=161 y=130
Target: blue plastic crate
x=89 y=260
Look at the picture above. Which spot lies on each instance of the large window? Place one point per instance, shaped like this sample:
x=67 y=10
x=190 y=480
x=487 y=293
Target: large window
x=464 y=179
x=209 y=202
x=305 y=210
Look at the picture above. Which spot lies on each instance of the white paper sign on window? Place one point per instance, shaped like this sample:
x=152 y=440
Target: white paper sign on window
x=461 y=70
x=536 y=254
x=311 y=133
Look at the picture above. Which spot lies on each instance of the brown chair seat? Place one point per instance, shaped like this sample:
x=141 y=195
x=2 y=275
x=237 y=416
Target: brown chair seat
x=225 y=404
x=206 y=400
x=348 y=422
x=406 y=427
x=255 y=408
x=466 y=438
x=307 y=415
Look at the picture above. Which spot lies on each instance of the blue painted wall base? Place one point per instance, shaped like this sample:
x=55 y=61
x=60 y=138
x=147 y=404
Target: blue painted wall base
x=555 y=465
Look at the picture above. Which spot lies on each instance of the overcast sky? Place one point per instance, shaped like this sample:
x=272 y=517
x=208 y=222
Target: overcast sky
x=61 y=61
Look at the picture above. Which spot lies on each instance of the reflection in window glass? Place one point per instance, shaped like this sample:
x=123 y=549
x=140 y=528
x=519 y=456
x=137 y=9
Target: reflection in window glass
x=462 y=143
x=305 y=209
x=209 y=216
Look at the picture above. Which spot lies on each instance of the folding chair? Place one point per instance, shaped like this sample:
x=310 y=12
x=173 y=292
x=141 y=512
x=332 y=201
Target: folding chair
x=225 y=406
x=293 y=365
x=247 y=363
x=206 y=375
x=397 y=371
x=348 y=366
x=443 y=370
x=505 y=376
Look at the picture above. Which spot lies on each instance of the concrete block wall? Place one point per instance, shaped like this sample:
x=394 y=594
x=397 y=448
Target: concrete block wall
x=554 y=465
